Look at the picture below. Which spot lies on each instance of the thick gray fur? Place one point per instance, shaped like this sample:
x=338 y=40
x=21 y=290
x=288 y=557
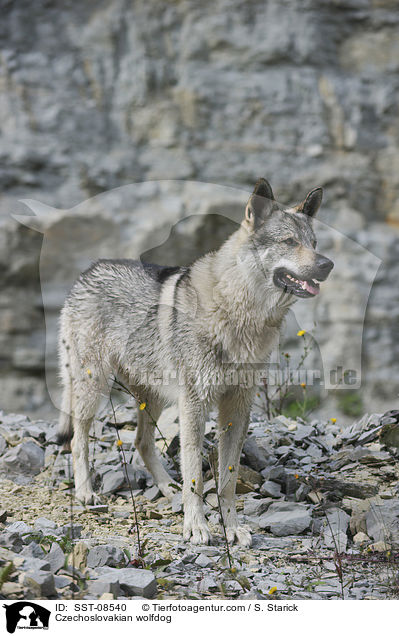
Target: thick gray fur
x=168 y=333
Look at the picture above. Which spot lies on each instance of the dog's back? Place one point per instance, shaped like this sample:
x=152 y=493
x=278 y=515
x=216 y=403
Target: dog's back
x=111 y=312
x=109 y=318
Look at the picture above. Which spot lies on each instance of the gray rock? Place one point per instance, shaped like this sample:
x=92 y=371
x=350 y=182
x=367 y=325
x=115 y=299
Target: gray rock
x=31 y=564
x=343 y=487
x=303 y=431
x=109 y=555
x=301 y=492
x=207 y=584
x=283 y=452
x=67 y=531
x=215 y=58
x=26 y=458
x=203 y=561
x=152 y=493
x=56 y=557
x=15 y=420
x=11 y=540
x=256 y=456
x=97 y=508
x=21 y=528
x=34 y=550
x=382 y=521
x=36 y=430
x=263 y=542
x=45 y=525
x=40 y=584
x=270 y=489
x=133 y=581
x=106 y=584
x=61 y=582
x=137 y=477
x=233 y=586
x=275 y=473
x=189 y=557
x=208 y=550
x=286 y=518
x=177 y=503
x=112 y=481
x=122 y=514
x=389 y=434
x=335 y=530
x=114 y=478
x=256 y=507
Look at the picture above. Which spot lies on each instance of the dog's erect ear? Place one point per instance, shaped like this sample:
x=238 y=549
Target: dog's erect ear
x=312 y=202
x=260 y=203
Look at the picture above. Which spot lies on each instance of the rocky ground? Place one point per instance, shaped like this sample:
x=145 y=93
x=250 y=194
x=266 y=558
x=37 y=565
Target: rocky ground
x=322 y=502
x=155 y=119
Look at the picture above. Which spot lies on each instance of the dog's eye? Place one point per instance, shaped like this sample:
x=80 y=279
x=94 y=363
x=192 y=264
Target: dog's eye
x=290 y=241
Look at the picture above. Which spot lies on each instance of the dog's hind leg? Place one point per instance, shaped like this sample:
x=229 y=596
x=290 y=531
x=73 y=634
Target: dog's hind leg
x=234 y=410
x=146 y=446
x=87 y=392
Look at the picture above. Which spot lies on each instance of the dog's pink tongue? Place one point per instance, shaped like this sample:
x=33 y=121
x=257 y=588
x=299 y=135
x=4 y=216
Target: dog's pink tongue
x=311 y=288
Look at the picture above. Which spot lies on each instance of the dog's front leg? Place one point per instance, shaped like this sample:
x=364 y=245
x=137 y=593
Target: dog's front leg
x=234 y=410
x=192 y=427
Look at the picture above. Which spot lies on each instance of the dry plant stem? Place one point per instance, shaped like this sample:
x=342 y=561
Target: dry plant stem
x=337 y=554
x=213 y=468
x=283 y=389
x=124 y=464
x=268 y=400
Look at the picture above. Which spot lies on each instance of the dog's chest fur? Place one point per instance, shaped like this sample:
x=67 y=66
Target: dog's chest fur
x=242 y=336
x=241 y=322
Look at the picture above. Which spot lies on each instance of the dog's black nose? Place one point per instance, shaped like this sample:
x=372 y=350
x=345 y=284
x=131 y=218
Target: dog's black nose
x=324 y=265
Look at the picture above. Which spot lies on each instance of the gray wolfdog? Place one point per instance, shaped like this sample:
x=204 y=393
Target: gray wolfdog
x=134 y=321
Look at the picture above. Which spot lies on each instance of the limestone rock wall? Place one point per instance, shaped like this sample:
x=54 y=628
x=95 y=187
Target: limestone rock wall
x=97 y=95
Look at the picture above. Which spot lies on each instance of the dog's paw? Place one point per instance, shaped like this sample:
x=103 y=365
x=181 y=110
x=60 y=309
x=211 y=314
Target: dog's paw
x=197 y=533
x=87 y=497
x=239 y=534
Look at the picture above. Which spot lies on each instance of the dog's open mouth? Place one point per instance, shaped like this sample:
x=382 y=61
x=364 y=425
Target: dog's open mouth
x=304 y=288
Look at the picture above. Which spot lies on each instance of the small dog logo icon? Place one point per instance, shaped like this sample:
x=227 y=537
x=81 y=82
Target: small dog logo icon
x=26 y=615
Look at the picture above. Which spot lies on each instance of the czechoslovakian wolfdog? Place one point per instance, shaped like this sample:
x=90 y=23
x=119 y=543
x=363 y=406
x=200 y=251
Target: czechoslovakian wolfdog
x=224 y=312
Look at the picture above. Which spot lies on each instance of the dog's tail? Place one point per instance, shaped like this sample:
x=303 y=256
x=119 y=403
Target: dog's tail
x=65 y=423
x=65 y=430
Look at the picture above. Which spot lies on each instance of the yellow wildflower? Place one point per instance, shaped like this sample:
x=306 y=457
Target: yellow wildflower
x=230 y=424
x=303 y=385
x=89 y=373
x=301 y=332
x=142 y=406
x=231 y=469
x=193 y=481
x=272 y=590
x=333 y=419
x=119 y=443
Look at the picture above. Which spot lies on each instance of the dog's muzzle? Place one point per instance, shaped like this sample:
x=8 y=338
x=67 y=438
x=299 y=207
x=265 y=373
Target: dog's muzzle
x=305 y=287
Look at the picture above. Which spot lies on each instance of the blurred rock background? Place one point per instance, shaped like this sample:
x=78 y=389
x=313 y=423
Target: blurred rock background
x=207 y=96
